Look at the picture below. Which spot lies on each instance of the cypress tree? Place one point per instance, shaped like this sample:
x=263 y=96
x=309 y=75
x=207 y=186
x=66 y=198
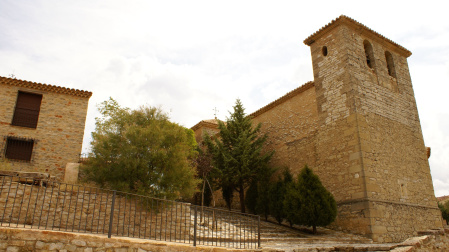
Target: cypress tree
x=292 y=203
x=251 y=197
x=277 y=193
x=227 y=191
x=237 y=152
x=263 y=187
x=317 y=205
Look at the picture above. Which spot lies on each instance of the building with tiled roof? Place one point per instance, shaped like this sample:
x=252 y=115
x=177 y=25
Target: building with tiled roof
x=205 y=127
x=41 y=126
x=357 y=126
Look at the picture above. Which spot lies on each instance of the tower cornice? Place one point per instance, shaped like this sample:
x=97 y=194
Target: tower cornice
x=360 y=28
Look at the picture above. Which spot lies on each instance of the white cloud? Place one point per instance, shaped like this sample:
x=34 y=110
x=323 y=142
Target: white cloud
x=192 y=56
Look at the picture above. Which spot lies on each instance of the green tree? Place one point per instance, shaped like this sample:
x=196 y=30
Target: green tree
x=444 y=208
x=251 y=197
x=276 y=195
x=237 y=152
x=257 y=196
x=141 y=151
x=292 y=203
x=263 y=188
x=203 y=163
x=227 y=191
x=317 y=205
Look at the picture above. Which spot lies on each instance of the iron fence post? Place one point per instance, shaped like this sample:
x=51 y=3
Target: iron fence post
x=258 y=231
x=194 y=227
x=111 y=217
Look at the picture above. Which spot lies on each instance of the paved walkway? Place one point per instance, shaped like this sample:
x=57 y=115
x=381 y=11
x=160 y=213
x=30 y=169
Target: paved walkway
x=283 y=238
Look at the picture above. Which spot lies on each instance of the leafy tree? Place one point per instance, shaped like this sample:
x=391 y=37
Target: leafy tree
x=141 y=151
x=237 y=152
x=317 y=205
x=203 y=163
x=277 y=194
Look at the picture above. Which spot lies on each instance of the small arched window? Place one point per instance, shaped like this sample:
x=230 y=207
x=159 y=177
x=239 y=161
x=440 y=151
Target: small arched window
x=324 y=50
x=369 y=53
x=390 y=64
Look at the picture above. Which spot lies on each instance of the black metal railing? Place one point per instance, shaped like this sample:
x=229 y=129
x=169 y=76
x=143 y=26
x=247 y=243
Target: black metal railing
x=50 y=205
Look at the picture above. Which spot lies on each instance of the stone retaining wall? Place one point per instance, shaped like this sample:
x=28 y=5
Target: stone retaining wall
x=19 y=239
x=74 y=208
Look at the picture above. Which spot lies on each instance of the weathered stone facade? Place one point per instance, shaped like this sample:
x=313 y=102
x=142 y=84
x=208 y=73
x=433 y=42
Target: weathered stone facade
x=57 y=138
x=357 y=126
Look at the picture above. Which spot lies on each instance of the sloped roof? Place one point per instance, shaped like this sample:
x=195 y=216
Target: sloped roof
x=359 y=26
x=210 y=123
x=44 y=87
x=283 y=98
x=213 y=123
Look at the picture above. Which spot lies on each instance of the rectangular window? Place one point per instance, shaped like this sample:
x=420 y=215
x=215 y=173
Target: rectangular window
x=19 y=149
x=27 y=110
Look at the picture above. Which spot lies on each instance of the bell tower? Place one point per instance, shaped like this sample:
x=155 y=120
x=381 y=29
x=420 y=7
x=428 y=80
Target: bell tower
x=369 y=144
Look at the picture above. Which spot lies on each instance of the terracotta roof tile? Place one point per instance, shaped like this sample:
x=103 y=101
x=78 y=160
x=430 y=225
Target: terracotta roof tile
x=211 y=123
x=349 y=21
x=44 y=87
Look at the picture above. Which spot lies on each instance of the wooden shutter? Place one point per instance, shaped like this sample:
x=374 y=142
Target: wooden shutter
x=18 y=149
x=27 y=110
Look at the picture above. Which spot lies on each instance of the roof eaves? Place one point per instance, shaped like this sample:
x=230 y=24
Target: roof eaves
x=44 y=87
x=205 y=123
x=283 y=98
x=349 y=21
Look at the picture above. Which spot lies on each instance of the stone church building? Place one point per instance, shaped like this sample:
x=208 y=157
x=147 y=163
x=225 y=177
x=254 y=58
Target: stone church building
x=357 y=126
x=41 y=126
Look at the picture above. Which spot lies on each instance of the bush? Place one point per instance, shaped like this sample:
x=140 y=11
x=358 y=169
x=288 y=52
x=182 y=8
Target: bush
x=444 y=208
x=277 y=194
x=308 y=202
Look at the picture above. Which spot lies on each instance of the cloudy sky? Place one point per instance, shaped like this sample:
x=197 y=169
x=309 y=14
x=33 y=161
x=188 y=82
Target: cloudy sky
x=190 y=57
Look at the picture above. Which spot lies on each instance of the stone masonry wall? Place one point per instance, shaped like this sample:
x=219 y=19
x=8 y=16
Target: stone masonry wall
x=393 y=148
x=291 y=126
x=392 y=220
x=370 y=149
x=358 y=128
x=20 y=239
x=74 y=208
x=337 y=141
x=59 y=133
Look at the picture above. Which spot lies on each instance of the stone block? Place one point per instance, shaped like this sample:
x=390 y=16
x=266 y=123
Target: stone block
x=12 y=249
x=80 y=243
x=355 y=168
x=41 y=245
x=357 y=195
x=371 y=187
x=354 y=156
x=379 y=229
x=71 y=173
